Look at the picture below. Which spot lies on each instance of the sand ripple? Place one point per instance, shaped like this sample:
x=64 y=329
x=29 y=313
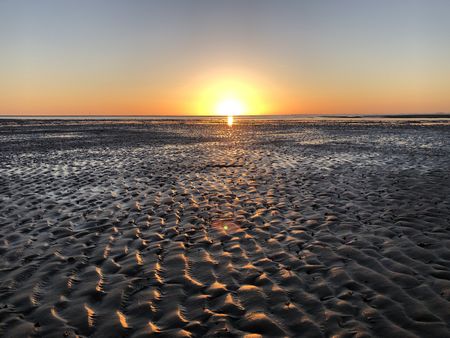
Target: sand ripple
x=180 y=230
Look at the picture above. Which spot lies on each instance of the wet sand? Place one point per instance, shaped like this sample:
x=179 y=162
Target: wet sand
x=135 y=229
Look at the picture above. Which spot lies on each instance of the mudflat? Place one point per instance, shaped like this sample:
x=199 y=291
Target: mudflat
x=193 y=228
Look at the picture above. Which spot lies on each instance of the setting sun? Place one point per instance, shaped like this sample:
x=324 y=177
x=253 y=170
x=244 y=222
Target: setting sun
x=229 y=92
x=230 y=107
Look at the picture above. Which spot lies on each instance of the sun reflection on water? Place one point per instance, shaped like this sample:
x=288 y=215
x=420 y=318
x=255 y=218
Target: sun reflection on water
x=230 y=120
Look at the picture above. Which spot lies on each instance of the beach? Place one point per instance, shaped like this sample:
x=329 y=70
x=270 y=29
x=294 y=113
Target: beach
x=136 y=228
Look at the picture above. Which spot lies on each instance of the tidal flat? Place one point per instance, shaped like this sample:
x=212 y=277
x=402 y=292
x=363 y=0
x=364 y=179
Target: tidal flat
x=136 y=228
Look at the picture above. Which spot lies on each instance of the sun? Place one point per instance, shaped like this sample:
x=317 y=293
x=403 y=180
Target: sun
x=230 y=107
x=229 y=92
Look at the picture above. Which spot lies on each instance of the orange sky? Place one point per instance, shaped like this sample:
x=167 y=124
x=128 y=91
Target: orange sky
x=183 y=57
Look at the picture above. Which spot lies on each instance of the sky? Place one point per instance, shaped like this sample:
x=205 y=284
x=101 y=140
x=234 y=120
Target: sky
x=173 y=57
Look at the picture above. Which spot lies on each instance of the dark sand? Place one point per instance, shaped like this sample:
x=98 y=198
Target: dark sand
x=117 y=229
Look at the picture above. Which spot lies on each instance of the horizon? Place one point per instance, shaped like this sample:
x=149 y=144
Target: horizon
x=436 y=115
x=198 y=58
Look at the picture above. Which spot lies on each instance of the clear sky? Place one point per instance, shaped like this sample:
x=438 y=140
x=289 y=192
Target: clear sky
x=183 y=56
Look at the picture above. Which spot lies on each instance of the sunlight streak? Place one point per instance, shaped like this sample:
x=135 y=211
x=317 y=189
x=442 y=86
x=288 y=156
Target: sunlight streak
x=230 y=120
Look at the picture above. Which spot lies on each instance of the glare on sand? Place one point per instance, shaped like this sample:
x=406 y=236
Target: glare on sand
x=122 y=319
x=90 y=315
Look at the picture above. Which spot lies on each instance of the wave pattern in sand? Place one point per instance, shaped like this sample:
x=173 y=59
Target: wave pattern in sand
x=277 y=229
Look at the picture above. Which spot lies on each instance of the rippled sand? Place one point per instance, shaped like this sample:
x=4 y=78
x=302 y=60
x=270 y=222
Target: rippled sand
x=117 y=229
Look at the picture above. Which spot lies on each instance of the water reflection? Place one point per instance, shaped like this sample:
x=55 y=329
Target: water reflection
x=230 y=120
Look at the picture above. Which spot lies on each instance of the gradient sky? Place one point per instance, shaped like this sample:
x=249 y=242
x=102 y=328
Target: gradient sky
x=181 y=56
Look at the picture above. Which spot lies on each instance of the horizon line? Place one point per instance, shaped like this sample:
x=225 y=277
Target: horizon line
x=223 y=116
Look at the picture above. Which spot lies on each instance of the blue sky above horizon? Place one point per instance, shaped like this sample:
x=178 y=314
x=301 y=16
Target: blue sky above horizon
x=179 y=57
